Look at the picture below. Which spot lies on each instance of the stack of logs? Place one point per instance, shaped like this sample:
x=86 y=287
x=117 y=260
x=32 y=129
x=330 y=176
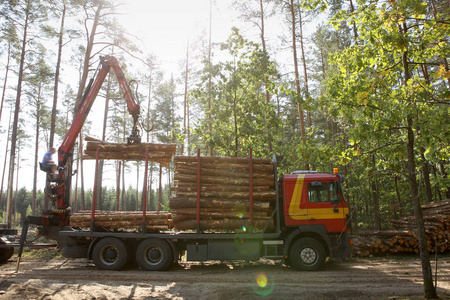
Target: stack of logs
x=127 y=220
x=224 y=193
x=160 y=153
x=403 y=239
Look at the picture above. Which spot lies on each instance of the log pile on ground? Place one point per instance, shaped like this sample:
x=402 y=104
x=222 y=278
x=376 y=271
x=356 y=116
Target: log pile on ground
x=114 y=220
x=160 y=153
x=403 y=239
x=224 y=193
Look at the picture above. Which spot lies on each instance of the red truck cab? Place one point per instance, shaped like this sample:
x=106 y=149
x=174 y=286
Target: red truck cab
x=311 y=198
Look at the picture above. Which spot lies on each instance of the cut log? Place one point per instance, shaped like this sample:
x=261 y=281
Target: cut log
x=186 y=202
x=224 y=181
x=207 y=213
x=216 y=188
x=191 y=168
x=215 y=159
x=257 y=196
x=160 y=153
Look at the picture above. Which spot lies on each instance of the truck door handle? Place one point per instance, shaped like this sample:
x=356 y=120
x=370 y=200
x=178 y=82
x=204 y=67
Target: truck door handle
x=313 y=219
x=336 y=210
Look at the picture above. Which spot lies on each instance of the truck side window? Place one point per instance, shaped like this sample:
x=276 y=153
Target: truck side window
x=318 y=192
x=334 y=197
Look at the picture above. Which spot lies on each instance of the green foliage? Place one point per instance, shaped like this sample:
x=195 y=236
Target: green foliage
x=369 y=93
x=240 y=115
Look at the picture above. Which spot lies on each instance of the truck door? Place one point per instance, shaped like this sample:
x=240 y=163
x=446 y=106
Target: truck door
x=294 y=197
x=326 y=206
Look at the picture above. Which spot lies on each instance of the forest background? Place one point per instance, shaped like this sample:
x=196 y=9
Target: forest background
x=362 y=86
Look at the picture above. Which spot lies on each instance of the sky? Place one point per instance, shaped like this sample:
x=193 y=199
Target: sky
x=166 y=26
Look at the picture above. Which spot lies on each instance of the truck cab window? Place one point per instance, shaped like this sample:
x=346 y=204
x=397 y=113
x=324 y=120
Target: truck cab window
x=321 y=192
x=335 y=199
x=318 y=192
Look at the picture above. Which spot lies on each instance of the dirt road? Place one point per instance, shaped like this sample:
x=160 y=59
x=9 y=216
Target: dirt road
x=67 y=279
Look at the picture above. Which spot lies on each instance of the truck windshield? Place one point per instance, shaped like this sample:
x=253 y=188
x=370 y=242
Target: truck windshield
x=321 y=192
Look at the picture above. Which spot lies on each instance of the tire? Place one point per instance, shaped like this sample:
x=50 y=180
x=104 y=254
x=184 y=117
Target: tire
x=307 y=254
x=110 y=254
x=6 y=254
x=154 y=255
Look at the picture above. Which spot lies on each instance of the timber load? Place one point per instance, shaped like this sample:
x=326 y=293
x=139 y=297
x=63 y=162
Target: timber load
x=225 y=189
x=160 y=153
x=126 y=220
x=403 y=238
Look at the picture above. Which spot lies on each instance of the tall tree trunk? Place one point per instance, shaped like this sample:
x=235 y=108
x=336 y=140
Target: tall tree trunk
x=429 y=289
x=305 y=70
x=6 y=79
x=425 y=168
x=444 y=175
x=399 y=199
x=376 y=204
x=265 y=63
x=58 y=67
x=297 y=77
x=185 y=98
x=426 y=176
x=99 y=179
x=355 y=31
x=437 y=192
x=4 y=163
x=36 y=147
x=16 y=120
x=87 y=56
x=17 y=184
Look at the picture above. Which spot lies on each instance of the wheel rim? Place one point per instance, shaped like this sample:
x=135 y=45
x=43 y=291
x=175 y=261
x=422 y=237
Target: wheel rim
x=308 y=255
x=109 y=254
x=153 y=255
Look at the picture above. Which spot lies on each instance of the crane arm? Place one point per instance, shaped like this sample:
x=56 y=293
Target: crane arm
x=106 y=63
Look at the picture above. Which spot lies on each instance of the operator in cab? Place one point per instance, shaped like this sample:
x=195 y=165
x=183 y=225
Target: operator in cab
x=48 y=164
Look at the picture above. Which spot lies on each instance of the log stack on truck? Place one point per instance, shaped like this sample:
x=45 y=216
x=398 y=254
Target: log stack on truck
x=300 y=218
x=226 y=193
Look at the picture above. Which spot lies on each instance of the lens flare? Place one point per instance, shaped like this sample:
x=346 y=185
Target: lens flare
x=244 y=229
x=264 y=286
x=261 y=280
x=241 y=215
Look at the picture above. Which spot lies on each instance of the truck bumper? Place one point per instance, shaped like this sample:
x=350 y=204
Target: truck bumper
x=341 y=246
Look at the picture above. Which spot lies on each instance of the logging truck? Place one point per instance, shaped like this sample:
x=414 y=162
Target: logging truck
x=222 y=208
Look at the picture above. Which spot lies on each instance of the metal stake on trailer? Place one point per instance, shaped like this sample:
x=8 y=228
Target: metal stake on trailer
x=198 y=191
x=94 y=197
x=251 y=188
x=144 y=195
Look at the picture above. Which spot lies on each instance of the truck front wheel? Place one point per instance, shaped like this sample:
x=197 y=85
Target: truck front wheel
x=110 y=254
x=307 y=254
x=5 y=254
x=154 y=255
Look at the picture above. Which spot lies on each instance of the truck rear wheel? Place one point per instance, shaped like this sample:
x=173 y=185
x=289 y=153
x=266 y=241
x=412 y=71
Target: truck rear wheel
x=154 y=255
x=307 y=254
x=5 y=254
x=110 y=254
